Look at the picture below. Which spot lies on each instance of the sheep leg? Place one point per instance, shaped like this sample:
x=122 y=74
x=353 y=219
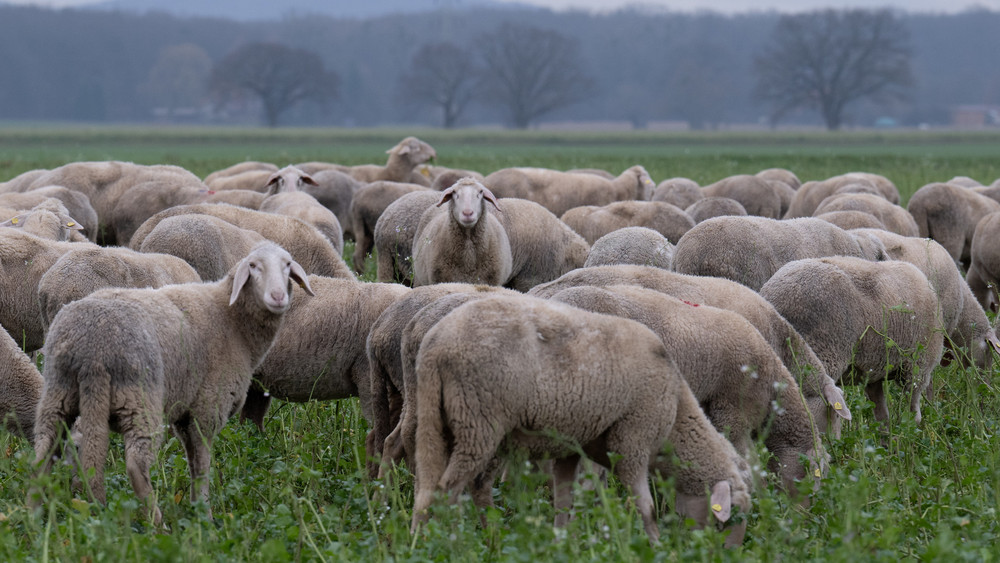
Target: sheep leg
x=51 y=432
x=198 y=447
x=255 y=407
x=633 y=472
x=563 y=475
x=876 y=394
x=140 y=447
x=380 y=405
x=392 y=452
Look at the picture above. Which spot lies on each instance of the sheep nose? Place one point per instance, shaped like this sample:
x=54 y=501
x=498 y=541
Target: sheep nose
x=467 y=213
x=277 y=296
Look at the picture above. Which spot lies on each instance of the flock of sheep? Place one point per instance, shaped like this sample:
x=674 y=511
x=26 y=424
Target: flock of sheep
x=567 y=314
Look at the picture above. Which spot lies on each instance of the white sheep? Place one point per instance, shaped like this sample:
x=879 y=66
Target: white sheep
x=632 y=245
x=367 y=206
x=210 y=245
x=949 y=214
x=593 y=222
x=404 y=158
x=715 y=206
x=895 y=218
x=394 y=233
x=755 y=194
x=125 y=359
x=682 y=192
x=20 y=389
x=305 y=207
x=561 y=191
x=49 y=220
x=239 y=168
x=77 y=205
x=810 y=194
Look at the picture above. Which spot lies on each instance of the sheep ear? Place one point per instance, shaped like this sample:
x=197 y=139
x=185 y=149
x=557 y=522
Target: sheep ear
x=69 y=223
x=835 y=397
x=491 y=198
x=14 y=221
x=445 y=196
x=994 y=343
x=405 y=149
x=273 y=178
x=239 y=279
x=298 y=275
x=307 y=179
x=722 y=501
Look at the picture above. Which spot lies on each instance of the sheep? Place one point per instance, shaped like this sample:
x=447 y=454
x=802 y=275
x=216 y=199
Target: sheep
x=529 y=358
x=849 y=220
x=105 y=182
x=446 y=178
x=561 y=191
x=49 y=220
x=715 y=206
x=895 y=218
x=984 y=261
x=949 y=214
x=239 y=168
x=867 y=321
x=681 y=192
x=737 y=378
x=77 y=205
x=749 y=250
x=252 y=180
x=632 y=245
x=124 y=359
x=366 y=207
x=82 y=271
x=305 y=207
x=819 y=389
x=593 y=222
x=462 y=242
x=20 y=389
x=21 y=182
x=596 y=171
x=401 y=166
x=964 y=181
x=334 y=190
x=144 y=200
x=755 y=194
x=383 y=350
x=208 y=244
x=314 y=167
x=964 y=321
x=785 y=194
x=303 y=241
x=809 y=195
x=24 y=258
x=394 y=232
x=781 y=175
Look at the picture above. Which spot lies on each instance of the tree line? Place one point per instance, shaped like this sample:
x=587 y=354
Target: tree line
x=515 y=67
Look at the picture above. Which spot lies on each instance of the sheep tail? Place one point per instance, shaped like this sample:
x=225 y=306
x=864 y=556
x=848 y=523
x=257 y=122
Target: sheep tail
x=431 y=454
x=92 y=426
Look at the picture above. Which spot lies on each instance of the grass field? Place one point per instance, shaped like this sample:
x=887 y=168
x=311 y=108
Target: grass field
x=298 y=492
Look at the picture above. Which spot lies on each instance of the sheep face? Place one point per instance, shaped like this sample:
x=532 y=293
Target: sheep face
x=269 y=270
x=45 y=224
x=466 y=198
x=288 y=179
x=414 y=150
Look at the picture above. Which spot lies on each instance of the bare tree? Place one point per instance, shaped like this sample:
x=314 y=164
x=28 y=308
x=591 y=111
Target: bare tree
x=532 y=71
x=280 y=76
x=442 y=75
x=827 y=59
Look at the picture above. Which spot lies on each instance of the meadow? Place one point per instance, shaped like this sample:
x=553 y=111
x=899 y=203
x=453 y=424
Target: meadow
x=298 y=491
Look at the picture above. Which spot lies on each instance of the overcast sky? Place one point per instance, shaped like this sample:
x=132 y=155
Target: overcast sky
x=728 y=6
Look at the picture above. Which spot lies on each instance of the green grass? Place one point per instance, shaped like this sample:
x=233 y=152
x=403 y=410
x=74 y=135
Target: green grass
x=298 y=491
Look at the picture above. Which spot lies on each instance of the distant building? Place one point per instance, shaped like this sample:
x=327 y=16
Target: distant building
x=975 y=116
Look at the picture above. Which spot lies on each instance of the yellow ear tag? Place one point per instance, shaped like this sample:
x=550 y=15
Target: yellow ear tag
x=817 y=473
x=70 y=224
x=717 y=507
x=837 y=406
x=14 y=220
x=425 y=172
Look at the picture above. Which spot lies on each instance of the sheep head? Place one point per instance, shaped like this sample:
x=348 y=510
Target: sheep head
x=466 y=197
x=414 y=150
x=288 y=179
x=269 y=270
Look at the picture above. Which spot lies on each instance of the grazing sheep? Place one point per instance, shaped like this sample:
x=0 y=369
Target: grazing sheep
x=529 y=358
x=123 y=359
x=749 y=250
x=462 y=242
x=20 y=389
x=867 y=321
x=21 y=182
x=80 y=272
x=334 y=190
x=632 y=245
x=949 y=214
x=780 y=175
x=319 y=351
x=737 y=378
x=367 y=206
x=593 y=222
x=755 y=194
x=239 y=168
x=561 y=191
x=809 y=195
x=208 y=244
x=819 y=389
x=681 y=192
x=106 y=181
x=49 y=220
x=253 y=180
x=849 y=220
x=404 y=158
x=984 y=264
x=77 y=205
x=24 y=258
x=708 y=207
x=305 y=207
x=968 y=331
x=895 y=218
x=542 y=247
x=394 y=233
x=310 y=249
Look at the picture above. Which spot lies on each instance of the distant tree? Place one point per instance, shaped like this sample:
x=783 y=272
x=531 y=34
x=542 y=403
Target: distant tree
x=280 y=76
x=531 y=72
x=179 y=78
x=442 y=75
x=827 y=59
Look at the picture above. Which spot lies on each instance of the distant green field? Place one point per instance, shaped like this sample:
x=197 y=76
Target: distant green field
x=298 y=491
x=910 y=159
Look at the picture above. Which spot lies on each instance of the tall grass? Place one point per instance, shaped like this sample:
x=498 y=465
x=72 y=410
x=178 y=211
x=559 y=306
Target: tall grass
x=298 y=491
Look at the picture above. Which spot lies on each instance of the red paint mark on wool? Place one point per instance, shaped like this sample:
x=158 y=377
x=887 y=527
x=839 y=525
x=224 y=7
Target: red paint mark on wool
x=691 y=304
